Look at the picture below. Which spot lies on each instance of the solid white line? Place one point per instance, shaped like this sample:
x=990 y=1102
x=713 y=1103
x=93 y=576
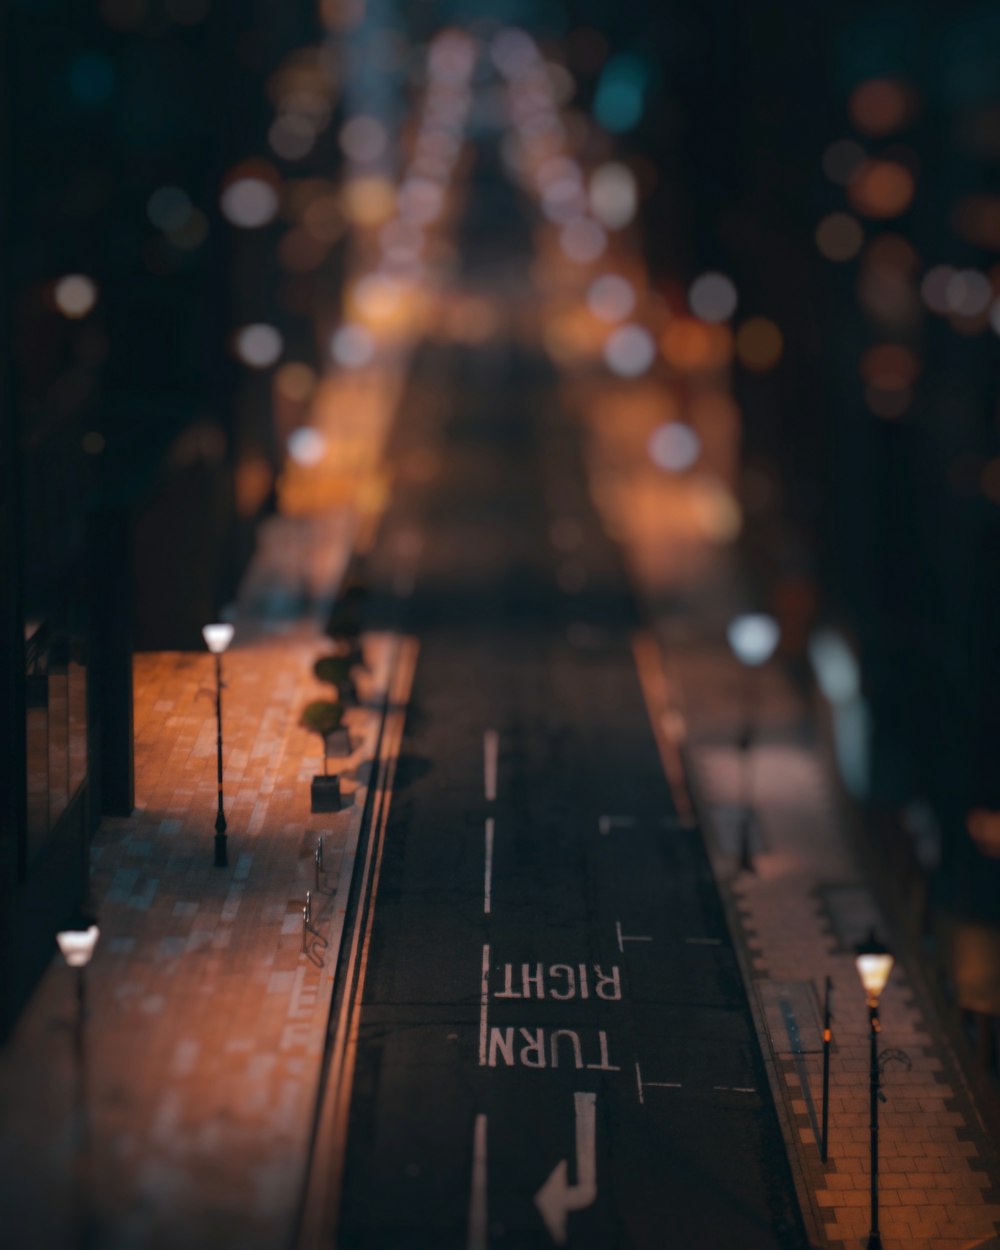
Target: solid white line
x=638 y=1081
x=478 y=1235
x=488 y=873
x=618 y=931
x=734 y=1089
x=491 y=747
x=484 y=1002
x=663 y=1084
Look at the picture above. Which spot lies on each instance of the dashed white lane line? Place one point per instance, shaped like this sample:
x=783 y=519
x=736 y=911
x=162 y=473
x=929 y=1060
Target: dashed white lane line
x=484 y=1002
x=638 y=1081
x=488 y=870
x=491 y=749
x=734 y=1089
x=478 y=1220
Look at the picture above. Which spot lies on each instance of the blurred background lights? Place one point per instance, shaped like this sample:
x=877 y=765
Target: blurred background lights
x=75 y=295
x=513 y=52
x=611 y=297
x=291 y=136
x=249 y=203
x=674 y=447
x=712 y=297
x=618 y=102
x=259 y=345
x=629 y=351
x=759 y=344
x=306 y=446
x=835 y=667
x=934 y=287
x=363 y=139
x=352 y=346
x=839 y=236
x=841 y=159
x=368 y=201
x=968 y=293
x=583 y=240
x=614 y=196
x=168 y=208
x=295 y=381
x=881 y=106
x=753 y=637
x=881 y=189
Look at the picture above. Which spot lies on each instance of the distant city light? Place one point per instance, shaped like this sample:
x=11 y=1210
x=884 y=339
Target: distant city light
x=618 y=101
x=368 y=201
x=753 y=637
x=306 y=446
x=674 y=447
x=513 y=52
x=841 y=159
x=363 y=139
x=835 y=666
x=934 y=287
x=630 y=351
x=295 y=381
x=259 y=345
x=583 y=240
x=75 y=295
x=353 y=346
x=611 y=297
x=839 y=236
x=249 y=203
x=880 y=106
x=968 y=293
x=420 y=200
x=881 y=189
x=291 y=136
x=169 y=208
x=614 y=196
x=713 y=297
x=759 y=344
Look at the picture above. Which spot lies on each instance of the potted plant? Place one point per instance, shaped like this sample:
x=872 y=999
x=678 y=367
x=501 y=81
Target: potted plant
x=336 y=671
x=323 y=717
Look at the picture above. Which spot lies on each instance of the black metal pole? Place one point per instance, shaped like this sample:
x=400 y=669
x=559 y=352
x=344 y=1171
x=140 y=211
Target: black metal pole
x=221 y=859
x=874 y=1239
x=827 y=1037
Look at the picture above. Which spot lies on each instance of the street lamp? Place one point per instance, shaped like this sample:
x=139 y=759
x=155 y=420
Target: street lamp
x=752 y=638
x=874 y=964
x=77 y=946
x=217 y=639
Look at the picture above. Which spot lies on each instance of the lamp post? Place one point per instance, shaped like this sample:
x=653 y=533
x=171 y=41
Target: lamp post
x=77 y=947
x=752 y=638
x=77 y=943
x=217 y=639
x=874 y=964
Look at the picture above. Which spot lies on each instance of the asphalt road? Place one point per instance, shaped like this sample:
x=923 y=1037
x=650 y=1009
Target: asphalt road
x=555 y=1043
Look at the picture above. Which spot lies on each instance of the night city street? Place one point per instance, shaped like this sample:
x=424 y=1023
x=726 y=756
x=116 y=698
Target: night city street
x=501 y=560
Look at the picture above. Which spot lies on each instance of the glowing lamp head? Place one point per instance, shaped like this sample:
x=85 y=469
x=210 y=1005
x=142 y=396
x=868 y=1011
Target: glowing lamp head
x=77 y=945
x=753 y=638
x=218 y=637
x=874 y=964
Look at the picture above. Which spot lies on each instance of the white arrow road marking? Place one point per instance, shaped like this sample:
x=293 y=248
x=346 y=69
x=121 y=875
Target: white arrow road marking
x=477 y=1205
x=488 y=870
x=491 y=749
x=557 y=1197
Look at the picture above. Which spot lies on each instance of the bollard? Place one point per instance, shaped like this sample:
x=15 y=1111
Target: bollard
x=309 y=907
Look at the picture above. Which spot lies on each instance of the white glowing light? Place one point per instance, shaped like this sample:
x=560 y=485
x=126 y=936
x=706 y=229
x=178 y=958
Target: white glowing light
x=835 y=667
x=753 y=638
x=352 y=346
x=513 y=52
x=629 y=351
x=968 y=292
x=563 y=200
x=420 y=200
x=218 y=637
x=306 y=446
x=583 y=240
x=259 y=345
x=674 y=447
x=75 y=295
x=611 y=297
x=934 y=287
x=614 y=195
x=249 y=203
x=713 y=297
x=363 y=138
x=77 y=945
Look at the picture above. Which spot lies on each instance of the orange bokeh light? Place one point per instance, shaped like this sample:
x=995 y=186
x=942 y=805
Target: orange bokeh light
x=881 y=189
x=690 y=345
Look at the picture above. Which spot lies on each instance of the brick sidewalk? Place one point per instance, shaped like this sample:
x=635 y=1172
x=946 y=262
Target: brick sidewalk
x=798 y=918
x=207 y=1021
